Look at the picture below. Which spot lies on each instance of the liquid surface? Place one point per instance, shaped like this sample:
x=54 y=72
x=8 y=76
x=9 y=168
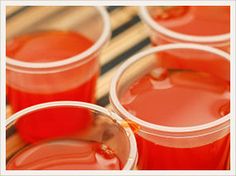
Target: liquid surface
x=65 y=155
x=47 y=46
x=178 y=98
x=194 y=20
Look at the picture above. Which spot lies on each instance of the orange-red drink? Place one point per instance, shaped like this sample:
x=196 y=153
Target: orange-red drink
x=26 y=88
x=47 y=47
x=198 y=24
x=65 y=154
x=180 y=105
x=179 y=99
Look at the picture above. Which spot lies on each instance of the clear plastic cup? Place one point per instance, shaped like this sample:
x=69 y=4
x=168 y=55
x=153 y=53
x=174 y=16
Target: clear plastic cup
x=94 y=123
x=160 y=34
x=205 y=146
x=74 y=78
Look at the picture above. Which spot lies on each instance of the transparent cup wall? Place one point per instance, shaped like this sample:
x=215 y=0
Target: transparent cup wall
x=103 y=126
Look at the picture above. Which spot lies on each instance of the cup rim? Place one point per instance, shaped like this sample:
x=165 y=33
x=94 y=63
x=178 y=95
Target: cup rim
x=116 y=103
x=144 y=14
x=132 y=158
x=105 y=35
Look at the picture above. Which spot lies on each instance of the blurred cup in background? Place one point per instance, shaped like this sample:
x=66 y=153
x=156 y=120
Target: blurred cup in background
x=207 y=25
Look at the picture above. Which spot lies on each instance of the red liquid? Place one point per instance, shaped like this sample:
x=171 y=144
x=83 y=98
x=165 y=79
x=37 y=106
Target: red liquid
x=213 y=156
x=193 y=20
x=54 y=122
x=47 y=47
x=65 y=155
x=19 y=99
x=179 y=99
x=72 y=83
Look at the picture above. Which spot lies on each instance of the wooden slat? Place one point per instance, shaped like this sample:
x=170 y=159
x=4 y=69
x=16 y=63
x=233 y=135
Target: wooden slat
x=125 y=40
x=121 y=16
x=14 y=143
x=12 y=9
x=9 y=111
x=68 y=18
x=28 y=18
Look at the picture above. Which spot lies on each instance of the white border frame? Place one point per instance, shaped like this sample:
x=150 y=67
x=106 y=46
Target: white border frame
x=106 y=3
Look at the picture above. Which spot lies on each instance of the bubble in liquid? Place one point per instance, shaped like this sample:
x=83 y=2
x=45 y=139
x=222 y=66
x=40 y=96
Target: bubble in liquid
x=160 y=79
x=107 y=152
x=159 y=73
x=129 y=97
x=224 y=109
x=169 y=12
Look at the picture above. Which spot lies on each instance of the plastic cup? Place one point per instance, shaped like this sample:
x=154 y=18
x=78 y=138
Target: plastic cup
x=104 y=127
x=198 y=147
x=160 y=34
x=74 y=78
